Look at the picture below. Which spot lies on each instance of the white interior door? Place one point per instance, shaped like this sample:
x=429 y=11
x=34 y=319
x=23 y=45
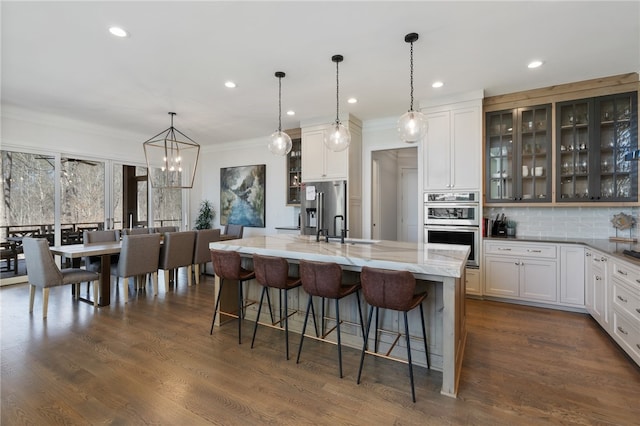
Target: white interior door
x=409 y=198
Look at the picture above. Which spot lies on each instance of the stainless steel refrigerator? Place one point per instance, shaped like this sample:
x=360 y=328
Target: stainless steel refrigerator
x=323 y=205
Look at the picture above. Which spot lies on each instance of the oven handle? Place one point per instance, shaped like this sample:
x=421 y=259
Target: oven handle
x=437 y=205
x=451 y=228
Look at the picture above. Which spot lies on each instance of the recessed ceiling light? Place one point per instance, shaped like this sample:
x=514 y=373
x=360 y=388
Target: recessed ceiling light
x=534 y=64
x=352 y=101
x=118 y=32
x=437 y=84
x=291 y=112
x=230 y=84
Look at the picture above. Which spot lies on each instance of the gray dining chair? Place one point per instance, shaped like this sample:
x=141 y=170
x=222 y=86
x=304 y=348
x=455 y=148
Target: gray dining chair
x=138 y=256
x=44 y=273
x=136 y=231
x=201 y=251
x=163 y=229
x=93 y=263
x=234 y=230
x=176 y=252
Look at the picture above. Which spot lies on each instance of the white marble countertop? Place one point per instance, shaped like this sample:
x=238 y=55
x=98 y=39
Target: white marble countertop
x=421 y=259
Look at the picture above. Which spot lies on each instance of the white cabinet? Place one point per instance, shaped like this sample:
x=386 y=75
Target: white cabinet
x=473 y=282
x=320 y=163
x=625 y=307
x=596 y=284
x=572 y=274
x=453 y=147
x=521 y=271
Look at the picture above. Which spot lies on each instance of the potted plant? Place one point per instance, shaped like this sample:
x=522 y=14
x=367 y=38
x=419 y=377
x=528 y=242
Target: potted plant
x=206 y=215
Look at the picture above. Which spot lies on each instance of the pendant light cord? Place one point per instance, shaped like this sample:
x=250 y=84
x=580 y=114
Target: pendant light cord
x=411 y=75
x=279 y=104
x=337 y=95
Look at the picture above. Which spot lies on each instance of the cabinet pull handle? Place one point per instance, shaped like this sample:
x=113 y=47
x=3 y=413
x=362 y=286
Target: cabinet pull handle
x=638 y=345
x=638 y=281
x=504 y=249
x=595 y=259
x=534 y=251
x=622 y=272
x=622 y=299
x=621 y=330
x=638 y=310
x=517 y=263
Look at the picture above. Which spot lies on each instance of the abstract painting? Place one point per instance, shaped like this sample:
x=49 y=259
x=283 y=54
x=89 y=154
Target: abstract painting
x=242 y=195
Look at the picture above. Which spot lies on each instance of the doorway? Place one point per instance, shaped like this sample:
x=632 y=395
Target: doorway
x=394 y=194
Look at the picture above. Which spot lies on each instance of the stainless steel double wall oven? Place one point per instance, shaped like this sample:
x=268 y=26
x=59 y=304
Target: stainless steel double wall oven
x=453 y=218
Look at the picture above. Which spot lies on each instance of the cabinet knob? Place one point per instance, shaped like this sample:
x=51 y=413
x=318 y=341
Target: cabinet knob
x=588 y=254
x=598 y=278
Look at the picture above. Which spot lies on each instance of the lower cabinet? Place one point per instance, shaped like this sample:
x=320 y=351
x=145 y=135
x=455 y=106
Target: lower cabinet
x=473 y=282
x=625 y=307
x=596 y=286
x=521 y=271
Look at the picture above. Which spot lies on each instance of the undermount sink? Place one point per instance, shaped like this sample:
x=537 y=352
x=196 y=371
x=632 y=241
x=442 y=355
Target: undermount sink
x=353 y=240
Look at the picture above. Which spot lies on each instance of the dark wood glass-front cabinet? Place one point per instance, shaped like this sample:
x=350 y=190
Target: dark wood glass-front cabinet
x=593 y=136
x=518 y=158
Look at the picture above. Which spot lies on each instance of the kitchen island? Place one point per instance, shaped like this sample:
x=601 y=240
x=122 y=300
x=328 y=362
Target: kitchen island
x=440 y=269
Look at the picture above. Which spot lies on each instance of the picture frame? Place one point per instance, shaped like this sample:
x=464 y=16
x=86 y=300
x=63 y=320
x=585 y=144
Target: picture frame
x=243 y=195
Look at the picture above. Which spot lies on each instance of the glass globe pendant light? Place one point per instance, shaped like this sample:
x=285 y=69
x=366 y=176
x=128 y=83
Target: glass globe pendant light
x=337 y=137
x=279 y=142
x=412 y=126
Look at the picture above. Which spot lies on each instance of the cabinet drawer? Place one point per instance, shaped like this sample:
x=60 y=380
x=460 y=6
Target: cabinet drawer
x=626 y=300
x=627 y=335
x=521 y=249
x=626 y=273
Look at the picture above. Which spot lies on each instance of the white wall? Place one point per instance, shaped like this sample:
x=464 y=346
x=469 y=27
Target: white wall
x=245 y=153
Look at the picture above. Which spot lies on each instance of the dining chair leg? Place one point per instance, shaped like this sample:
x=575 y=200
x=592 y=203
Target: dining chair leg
x=196 y=273
x=45 y=301
x=96 y=288
x=189 y=270
x=166 y=281
x=125 y=289
x=76 y=293
x=154 y=279
x=32 y=296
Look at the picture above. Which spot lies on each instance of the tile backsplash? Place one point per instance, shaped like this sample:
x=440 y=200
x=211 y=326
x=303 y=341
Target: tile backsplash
x=565 y=222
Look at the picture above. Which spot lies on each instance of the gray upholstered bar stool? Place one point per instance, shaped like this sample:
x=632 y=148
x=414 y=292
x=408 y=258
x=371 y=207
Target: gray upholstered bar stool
x=324 y=279
x=273 y=272
x=393 y=290
x=227 y=265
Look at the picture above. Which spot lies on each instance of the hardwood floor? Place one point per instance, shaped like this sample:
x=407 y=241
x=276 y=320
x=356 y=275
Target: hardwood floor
x=154 y=361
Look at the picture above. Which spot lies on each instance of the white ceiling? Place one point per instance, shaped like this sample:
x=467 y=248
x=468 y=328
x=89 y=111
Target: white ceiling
x=58 y=57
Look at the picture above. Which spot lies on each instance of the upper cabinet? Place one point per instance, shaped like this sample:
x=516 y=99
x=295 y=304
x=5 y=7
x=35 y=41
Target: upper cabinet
x=518 y=155
x=593 y=136
x=453 y=146
x=294 y=168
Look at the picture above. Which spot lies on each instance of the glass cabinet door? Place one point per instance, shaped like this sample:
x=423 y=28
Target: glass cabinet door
x=617 y=178
x=574 y=150
x=534 y=149
x=500 y=165
x=294 y=172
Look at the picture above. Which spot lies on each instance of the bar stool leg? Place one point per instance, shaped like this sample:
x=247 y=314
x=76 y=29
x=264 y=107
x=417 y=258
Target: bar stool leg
x=424 y=336
x=240 y=312
x=255 y=328
x=304 y=327
x=406 y=330
x=375 y=331
x=215 y=310
x=270 y=309
x=286 y=323
x=364 y=347
x=360 y=312
x=338 y=331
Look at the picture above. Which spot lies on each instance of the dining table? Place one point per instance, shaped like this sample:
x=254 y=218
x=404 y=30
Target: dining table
x=105 y=250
